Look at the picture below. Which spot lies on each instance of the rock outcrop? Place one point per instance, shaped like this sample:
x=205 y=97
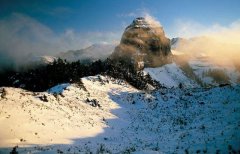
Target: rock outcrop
x=143 y=45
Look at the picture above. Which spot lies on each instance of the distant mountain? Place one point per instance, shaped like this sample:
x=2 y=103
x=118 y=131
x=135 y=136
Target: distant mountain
x=92 y=53
x=42 y=59
x=35 y=61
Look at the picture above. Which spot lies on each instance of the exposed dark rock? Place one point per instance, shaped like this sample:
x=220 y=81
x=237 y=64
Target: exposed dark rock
x=43 y=98
x=143 y=44
x=93 y=102
x=14 y=150
x=4 y=93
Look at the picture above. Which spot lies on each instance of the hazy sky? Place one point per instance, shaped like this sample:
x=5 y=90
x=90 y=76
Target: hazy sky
x=46 y=27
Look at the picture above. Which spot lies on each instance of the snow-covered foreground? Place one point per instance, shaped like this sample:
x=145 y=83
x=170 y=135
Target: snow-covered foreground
x=111 y=116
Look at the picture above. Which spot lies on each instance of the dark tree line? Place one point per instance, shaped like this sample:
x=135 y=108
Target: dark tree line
x=61 y=71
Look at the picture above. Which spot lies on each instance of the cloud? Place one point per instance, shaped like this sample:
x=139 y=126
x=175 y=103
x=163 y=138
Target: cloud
x=151 y=20
x=141 y=13
x=229 y=34
x=22 y=37
x=190 y=28
x=220 y=43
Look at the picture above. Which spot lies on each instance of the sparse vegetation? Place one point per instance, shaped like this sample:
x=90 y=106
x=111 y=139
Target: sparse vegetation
x=93 y=102
x=14 y=150
x=218 y=75
x=4 y=93
x=103 y=150
x=129 y=150
x=186 y=68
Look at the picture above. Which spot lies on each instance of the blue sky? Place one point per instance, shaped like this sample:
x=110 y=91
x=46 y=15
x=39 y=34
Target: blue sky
x=50 y=26
x=112 y=15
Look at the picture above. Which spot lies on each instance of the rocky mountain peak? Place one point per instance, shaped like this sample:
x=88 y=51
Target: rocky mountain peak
x=143 y=44
x=139 y=22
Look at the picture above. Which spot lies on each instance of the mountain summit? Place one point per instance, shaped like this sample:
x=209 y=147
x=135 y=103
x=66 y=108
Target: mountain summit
x=143 y=44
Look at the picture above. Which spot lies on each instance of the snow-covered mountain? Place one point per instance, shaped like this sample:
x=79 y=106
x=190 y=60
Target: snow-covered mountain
x=194 y=73
x=202 y=65
x=213 y=74
x=106 y=115
x=91 y=53
x=170 y=75
x=41 y=59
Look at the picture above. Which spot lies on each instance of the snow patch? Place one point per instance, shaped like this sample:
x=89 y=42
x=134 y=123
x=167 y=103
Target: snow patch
x=58 y=88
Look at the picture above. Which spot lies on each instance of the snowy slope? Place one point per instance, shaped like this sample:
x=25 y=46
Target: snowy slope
x=203 y=65
x=108 y=115
x=170 y=75
x=42 y=59
x=201 y=61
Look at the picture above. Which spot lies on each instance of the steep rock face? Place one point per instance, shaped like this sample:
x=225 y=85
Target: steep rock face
x=143 y=44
